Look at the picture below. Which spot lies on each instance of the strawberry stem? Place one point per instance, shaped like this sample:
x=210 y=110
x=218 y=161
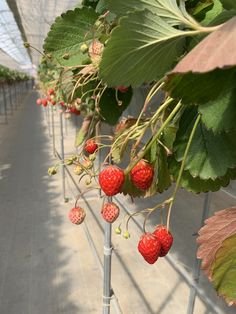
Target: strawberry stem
x=154 y=138
x=182 y=168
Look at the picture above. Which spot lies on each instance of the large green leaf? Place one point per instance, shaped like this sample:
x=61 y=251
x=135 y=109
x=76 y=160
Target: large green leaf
x=141 y=49
x=220 y=114
x=229 y=4
x=166 y=9
x=201 y=88
x=68 y=33
x=224 y=270
x=210 y=155
x=110 y=109
x=196 y=184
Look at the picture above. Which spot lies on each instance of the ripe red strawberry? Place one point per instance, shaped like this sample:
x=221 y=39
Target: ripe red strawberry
x=122 y=89
x=165 y=238
x=44 y=102
x=51 y=91
x=39 y=101
x=90 y=146
x=77 y=215
x=110 y=212
x=74 y=111
x=149 y=246
x=142 y=175
x=111 y=180
x=53 y=102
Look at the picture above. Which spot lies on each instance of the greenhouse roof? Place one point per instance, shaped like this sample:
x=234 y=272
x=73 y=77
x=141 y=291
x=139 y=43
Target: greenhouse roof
x=27 y=20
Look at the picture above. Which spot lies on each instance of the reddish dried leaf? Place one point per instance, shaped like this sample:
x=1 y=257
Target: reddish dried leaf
x=217 y=228
x=217 y=50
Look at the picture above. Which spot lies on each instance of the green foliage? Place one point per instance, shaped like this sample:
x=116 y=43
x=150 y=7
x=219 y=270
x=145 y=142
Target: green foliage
x=229 y=4
x=133 y=55
x=68 y=33
x=210 y=155
x=200 y=88
x=220 y=114
x=111 y=108
x=224 y=270
x=8 y=75
x=196 y=184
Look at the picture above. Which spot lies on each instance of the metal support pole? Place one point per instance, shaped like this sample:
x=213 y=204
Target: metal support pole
x=48 y=120
x=10 y=99
x=5 y=103
x=107 y=268
x=63 y=158
x=197 y=263
x=15 y=95
x=53 y=131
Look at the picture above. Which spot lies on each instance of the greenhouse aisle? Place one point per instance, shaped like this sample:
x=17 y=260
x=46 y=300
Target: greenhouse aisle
x=41 y=270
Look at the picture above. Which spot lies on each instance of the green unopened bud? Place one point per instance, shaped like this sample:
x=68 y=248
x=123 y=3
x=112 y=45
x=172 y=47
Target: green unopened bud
x=88 y=182
x=52 y=171
x=92 y=157
x=78 y=170
x=74 y=158
x=87 y=164
x=83 y=48
x=27 y=45
x=126 y=234
x=118 y=230
x=69 y=161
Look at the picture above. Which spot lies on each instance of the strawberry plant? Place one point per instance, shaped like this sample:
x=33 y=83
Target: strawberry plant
x=9 y=76
x=183 y=53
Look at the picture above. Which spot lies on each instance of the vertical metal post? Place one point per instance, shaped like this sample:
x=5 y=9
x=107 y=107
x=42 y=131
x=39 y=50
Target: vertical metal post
x=197 y=263
x=66 y=126
x=4 y=103
x=63 y=158
x=107 y=268
x=10 y=99
x=48 y=120
x=15 y=95
x=53 y=131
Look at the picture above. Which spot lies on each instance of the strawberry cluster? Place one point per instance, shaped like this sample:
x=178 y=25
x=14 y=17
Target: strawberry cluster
x=156 y=244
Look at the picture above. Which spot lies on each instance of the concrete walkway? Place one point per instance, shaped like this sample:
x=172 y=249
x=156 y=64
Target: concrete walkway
x=42 y=270
x=47 y=265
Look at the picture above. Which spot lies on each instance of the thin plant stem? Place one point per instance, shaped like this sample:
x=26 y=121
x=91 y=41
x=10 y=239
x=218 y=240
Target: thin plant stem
x=155 y=138
x=182 y=168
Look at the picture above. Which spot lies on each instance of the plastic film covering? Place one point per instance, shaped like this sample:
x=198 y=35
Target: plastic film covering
x=34 y=18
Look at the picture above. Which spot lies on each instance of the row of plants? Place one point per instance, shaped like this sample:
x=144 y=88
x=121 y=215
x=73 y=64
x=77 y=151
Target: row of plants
x=97 y=56
x=9 y=76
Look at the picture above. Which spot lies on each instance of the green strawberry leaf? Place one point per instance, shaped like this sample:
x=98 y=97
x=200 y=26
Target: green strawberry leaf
x=224 y=270
x=210 y=155
x=168 y=10
x=229 y=4
x=196 y=184
x=68 y=33
x=134 y=56
x=110 y=109
x=220 y=114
